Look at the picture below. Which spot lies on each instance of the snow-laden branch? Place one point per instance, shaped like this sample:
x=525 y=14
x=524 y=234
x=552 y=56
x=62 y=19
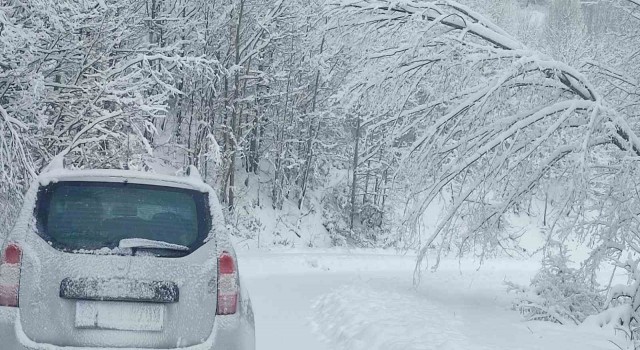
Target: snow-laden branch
x=634 y=2
x=459 y=17
x=477 y=120
x=13 y=149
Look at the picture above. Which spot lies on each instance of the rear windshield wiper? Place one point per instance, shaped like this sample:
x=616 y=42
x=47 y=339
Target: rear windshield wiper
x=137 y=243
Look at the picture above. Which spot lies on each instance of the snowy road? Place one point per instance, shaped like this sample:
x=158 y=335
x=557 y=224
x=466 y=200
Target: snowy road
x=332 y=301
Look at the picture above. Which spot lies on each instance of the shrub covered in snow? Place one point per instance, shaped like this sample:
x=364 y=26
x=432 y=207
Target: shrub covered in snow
x=623 y=304
x=558 y=293
x=372 y=227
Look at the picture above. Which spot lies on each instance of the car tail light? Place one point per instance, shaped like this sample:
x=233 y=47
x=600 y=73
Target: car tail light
x=10 y=264
x=227 y=285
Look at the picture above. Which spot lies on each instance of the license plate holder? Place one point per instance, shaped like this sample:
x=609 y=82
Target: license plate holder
x=123 y=316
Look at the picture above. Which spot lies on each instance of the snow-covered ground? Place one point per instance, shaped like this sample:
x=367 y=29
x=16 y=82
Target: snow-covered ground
x=332 y=300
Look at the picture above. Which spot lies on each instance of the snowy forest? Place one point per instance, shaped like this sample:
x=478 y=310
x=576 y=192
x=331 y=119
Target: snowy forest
x=377 y=116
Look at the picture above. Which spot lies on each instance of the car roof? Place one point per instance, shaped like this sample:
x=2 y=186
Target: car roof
x=130 y=176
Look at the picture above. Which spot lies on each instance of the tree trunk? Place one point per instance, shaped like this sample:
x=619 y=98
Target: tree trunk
x=235 y=113
x=355 y=175
x=310 y=137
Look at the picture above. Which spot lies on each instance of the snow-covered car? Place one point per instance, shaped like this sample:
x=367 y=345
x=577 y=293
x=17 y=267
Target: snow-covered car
x=113 y=259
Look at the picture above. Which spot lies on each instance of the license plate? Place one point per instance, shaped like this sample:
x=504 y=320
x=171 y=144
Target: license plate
x=123 y=316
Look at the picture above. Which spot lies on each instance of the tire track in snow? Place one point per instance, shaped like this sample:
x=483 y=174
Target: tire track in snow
x=357 y=317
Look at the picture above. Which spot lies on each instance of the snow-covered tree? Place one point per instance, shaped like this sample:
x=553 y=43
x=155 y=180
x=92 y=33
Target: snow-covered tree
x=565 y=31
x=477 y=117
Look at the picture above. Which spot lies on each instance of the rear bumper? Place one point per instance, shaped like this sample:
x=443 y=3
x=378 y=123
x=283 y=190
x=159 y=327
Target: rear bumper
x=230 y=333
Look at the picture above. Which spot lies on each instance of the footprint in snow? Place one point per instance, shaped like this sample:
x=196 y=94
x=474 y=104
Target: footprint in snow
x=360 y=318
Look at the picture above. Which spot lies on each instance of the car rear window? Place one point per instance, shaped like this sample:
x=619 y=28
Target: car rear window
x=77 y=216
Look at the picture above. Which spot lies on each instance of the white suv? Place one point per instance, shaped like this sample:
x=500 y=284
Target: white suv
x=113 y=259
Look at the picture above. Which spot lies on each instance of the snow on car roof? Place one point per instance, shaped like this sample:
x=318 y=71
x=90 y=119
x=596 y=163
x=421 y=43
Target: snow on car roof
x=131 y=176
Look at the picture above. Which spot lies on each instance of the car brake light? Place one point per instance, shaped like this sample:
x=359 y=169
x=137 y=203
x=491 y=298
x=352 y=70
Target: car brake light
x=227 y=285
x=10 y=275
